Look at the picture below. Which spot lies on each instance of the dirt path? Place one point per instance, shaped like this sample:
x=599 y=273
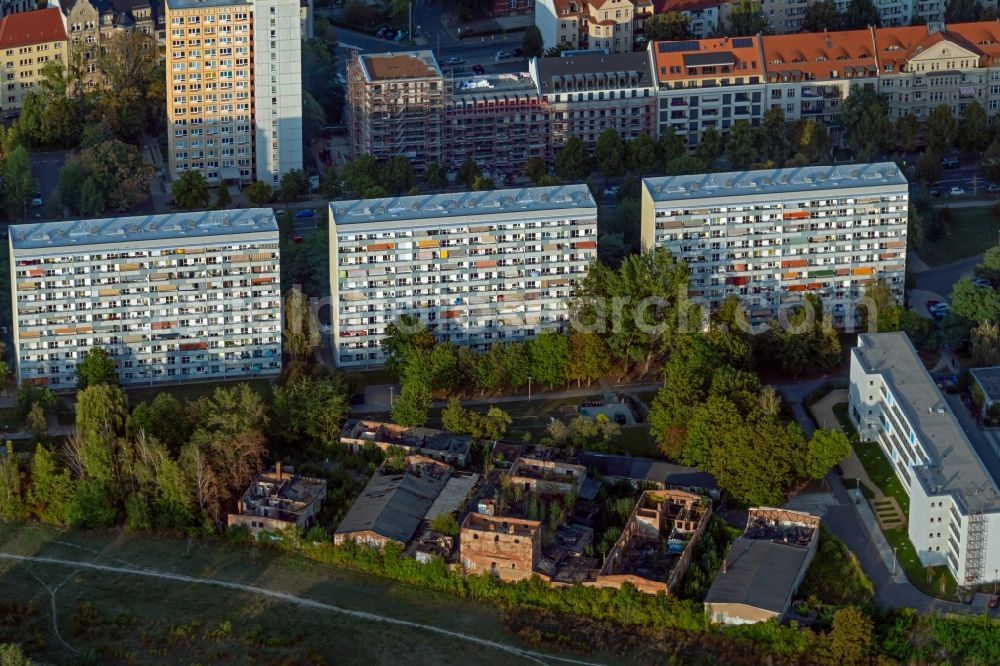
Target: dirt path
x=536 y=657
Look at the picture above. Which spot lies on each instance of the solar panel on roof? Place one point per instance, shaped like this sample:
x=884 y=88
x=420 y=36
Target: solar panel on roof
x=742 y=42
x=676 y=47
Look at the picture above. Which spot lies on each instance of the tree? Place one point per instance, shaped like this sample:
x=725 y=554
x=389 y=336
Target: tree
x=939 y=130
x=589 y=359
x=977 y=304
x=434 y=176
x=609 y=154
x=806 y=342
x=258 y=193
x=446 y=523
x=190 y=190
x=413 y=405
x=989 y=267
x=532 y=44
x=641 y=155
x=468 y=171
x=571 y=163
x=821 y=16
x=51 y=488
x=535 y=168
x=772 y=136
x=709 y=146
x=746 y=18
x=312 y=409
x=865 y=120
x=929 y=167
x=753 y=456
x=741 y=148
x=397 y=175
x=37 y=423
x=667 y=26
x=294 y=185
x=329 y=183
x=481 y=184
x=811 y=140
x=549 y=354
x=851 y=635
x=906 y=132
x=826 y=448
x=670 y=146
x=17 y=181
x=973 y=129
x=96 y=367
x=164 y=419
x=861 y=14
x=11 y=479
x=985 y=344
x=222 y=199
x=360 y=175
x=403 y=338
x=964 y=11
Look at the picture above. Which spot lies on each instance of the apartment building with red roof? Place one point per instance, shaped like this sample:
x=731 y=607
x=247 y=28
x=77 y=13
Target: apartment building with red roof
x=611 y=25
x=28 y=42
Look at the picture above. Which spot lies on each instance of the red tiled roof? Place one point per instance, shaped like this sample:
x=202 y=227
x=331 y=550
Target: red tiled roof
x=831 y=55
x=677 y=61
x=37 y=27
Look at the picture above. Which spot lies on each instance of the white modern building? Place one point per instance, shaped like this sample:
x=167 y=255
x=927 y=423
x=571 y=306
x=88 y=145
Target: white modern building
x=475 y=268
x=770 y=236
x=234 y=89
x=173 y=298
x=949 y=472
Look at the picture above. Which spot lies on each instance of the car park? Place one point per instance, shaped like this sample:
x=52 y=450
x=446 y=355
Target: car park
x=956 y=191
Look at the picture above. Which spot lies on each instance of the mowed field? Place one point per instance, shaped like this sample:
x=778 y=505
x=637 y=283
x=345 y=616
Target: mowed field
x=118 y=618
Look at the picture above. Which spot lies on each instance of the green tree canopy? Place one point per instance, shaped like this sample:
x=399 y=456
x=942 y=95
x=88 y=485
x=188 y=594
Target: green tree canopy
x=667 y=26
x=940 y=129
x=532 y=43
x=549 y=354
x=864 y=118
x=746 y=18
x=860 y=14
x=571 y=163
x=609 y=154
x=977 y=304
x=259 y=193
x=973 y=128
x=96 y=367
x=641 y=156
x=821 y=16
x=190 y=190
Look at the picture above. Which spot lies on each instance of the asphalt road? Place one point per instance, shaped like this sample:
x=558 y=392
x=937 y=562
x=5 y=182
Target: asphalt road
x=941 y=279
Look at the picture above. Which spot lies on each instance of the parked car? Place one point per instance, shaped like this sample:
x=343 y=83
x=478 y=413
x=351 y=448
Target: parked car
x=386 y=33
x=36 y=201
x=454 y=60
x=503 y=54
x=982 y=283
x=950 y=163
x=956 y=191
x=401 y=35
x=933 y=303
x=297 y=240
x=935 y=192
x=994 y=602
x=620 y=418
x=993 y=189
x=611 y=191
x=478 y=69
x=304 y=213
x=517 y=53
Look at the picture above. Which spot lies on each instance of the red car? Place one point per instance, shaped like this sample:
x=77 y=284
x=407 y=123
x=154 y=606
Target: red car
x=931 y=303
x=994 y=601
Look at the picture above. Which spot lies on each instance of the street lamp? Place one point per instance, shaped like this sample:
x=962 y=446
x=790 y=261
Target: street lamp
x=390 y=397
x=529 y=389
x=894 y=561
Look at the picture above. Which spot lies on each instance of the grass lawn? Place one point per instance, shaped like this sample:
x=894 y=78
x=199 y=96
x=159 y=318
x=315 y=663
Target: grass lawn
x=194 y=391
x=880 y=472
x=935 y=581
x=971 y=231
x=128 y=619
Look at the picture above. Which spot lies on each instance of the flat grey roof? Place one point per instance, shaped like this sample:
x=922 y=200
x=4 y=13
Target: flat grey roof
x=392 y=505
x=462 y=204
x=989 y=380
x=71 y=233
x=455 y=491
x=198 y=4
x=759 y=573
x=956 y=468
x=584 y=67
x=647 y=469
x=774 y=181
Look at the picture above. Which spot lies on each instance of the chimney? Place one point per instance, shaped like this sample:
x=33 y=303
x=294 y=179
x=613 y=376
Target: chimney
x=277 y=470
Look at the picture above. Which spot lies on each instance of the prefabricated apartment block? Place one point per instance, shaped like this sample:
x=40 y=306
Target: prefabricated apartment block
x=475 y=268
x=768 y=235
x=174 y=297
x=954 y=515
